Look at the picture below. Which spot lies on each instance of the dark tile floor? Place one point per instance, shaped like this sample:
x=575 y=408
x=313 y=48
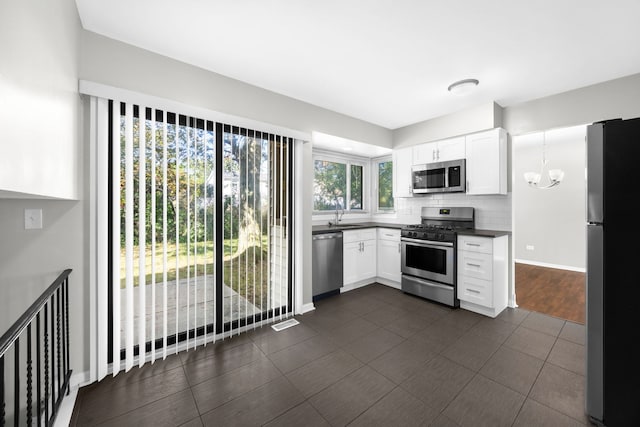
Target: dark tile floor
x=370 y=357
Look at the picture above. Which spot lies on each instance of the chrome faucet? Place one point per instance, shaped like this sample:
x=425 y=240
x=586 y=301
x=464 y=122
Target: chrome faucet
x=338 y=213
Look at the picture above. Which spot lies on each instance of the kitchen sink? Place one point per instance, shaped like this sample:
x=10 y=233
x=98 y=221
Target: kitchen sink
x=341 y=226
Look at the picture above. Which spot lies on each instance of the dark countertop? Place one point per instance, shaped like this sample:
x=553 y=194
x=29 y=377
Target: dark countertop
x=483 y=233
x=320 y=229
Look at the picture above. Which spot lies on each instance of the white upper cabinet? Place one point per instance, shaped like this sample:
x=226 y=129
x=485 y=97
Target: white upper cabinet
x=486 y=154
x=402 y=162
x=439 y=151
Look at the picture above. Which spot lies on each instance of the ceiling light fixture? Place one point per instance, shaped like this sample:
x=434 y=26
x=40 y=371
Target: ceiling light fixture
x=555 y=176
x=463 y=87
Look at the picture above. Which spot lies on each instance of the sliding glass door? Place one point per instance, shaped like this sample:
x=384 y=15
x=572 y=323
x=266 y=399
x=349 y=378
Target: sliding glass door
x=200 y=237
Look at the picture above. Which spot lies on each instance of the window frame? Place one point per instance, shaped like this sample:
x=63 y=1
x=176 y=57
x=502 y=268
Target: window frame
x=348 y=160
x=376 y=185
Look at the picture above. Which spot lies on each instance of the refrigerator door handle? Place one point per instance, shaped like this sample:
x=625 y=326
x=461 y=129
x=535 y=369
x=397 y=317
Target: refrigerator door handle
x=595 y=173
x=595 y=321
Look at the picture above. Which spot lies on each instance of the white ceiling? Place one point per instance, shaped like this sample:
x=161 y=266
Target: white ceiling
x=388 y=62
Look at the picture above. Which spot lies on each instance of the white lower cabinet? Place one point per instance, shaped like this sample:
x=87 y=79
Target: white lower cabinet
x=483 y=272
x=389 y=257
x=359 y=256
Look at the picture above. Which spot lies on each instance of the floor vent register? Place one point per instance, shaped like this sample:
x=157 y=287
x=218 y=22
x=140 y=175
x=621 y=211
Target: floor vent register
x=284 y=325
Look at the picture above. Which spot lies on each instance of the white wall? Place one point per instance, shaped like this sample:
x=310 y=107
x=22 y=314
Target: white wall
x=39 y=101
x=553 y=220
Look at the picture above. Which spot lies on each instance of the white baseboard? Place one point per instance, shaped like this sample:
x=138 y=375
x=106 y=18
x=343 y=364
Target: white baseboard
x=548 y=265
x=353 y=286
x=76 y=381
x=307 y=308
x=387 y=282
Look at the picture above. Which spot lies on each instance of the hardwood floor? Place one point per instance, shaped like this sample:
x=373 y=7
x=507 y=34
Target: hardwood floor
x=558 y=293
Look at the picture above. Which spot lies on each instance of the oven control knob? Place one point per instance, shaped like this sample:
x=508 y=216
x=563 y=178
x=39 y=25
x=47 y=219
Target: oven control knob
x=440 y=236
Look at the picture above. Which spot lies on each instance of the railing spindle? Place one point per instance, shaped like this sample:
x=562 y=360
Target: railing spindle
x=2 y=390
x=66 y=321
x=53 y=359
x=46 y=363
x=64 y=332
x=58 y=350
x=16 y=382
x=29 y=378
x=38 y=368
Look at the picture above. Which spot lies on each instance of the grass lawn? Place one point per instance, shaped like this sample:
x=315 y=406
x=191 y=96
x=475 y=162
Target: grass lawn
x=240 y=272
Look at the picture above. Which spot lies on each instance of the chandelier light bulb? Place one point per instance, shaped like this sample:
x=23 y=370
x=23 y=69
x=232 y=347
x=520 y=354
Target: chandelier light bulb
x=556 y=175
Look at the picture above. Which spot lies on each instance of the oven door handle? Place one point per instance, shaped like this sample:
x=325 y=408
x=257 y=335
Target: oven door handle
x=427 y=243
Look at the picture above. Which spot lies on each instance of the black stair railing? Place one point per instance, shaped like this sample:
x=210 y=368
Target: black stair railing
x=49 y=316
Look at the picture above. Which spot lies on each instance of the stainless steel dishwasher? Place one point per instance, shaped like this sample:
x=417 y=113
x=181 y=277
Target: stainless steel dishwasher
x=327 y=262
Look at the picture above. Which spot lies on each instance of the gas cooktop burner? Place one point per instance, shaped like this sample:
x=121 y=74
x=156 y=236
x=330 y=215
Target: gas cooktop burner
x=429 y=227
x=429 y=232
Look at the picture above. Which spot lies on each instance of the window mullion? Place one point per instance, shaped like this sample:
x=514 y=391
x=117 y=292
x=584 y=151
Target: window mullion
x=345 y=203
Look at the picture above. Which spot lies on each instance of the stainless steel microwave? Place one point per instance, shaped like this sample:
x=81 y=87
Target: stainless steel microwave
x=440 y=177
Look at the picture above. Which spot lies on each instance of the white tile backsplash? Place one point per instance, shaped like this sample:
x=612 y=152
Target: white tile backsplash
x=491 y=212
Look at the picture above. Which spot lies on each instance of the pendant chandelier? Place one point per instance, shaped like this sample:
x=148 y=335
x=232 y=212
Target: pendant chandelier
x=553 y=176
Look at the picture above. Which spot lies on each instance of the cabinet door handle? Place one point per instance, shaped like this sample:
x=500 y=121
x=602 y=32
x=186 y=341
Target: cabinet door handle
x=399 y=248
x=473 y=265
x=473 y=290
x=472 y=244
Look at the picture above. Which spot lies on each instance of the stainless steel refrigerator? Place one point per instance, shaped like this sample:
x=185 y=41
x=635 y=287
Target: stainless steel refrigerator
x=613 y=273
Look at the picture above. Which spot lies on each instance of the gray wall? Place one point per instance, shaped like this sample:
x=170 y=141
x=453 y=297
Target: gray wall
x=612 y=99
x=608 y=100
x=46 y=36
x=552 y=221
x=102 y=60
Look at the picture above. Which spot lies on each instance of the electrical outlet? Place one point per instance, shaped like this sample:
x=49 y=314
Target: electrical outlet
x=530 y=247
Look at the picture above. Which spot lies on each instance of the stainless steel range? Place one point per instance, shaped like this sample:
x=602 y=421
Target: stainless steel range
x=429 y=267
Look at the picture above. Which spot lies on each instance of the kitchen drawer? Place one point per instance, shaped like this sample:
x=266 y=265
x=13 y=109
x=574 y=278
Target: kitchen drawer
x=475 y=264
x=476 y=244
x=358 y=235
x=475 y=290
x=389 y=234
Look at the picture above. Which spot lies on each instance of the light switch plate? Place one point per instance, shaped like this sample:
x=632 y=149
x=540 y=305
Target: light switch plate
x=32 y=219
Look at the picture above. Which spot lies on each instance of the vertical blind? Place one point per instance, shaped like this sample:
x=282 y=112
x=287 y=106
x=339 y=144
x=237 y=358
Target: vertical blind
x=199 y=230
